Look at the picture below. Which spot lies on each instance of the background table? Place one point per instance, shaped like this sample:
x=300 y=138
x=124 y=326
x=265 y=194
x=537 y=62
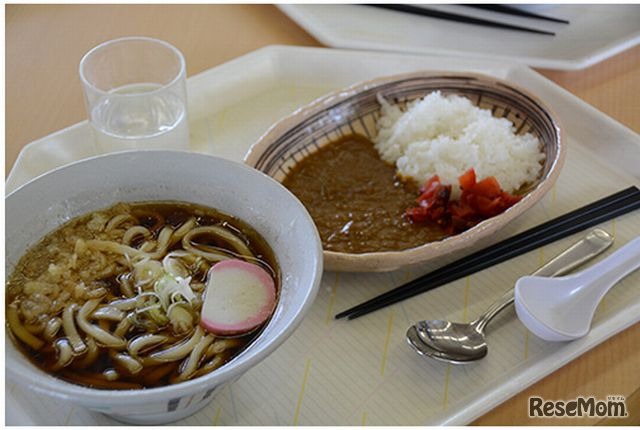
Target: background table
x=44 y=45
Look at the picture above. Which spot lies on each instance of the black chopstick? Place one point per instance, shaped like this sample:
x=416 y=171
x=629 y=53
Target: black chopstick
x=602 y=216
x=595 y=213
x=509 y=10
x=574 y=221
x=432 y=13
x=517 y=240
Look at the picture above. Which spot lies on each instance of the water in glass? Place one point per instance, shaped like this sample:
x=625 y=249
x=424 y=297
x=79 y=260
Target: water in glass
x=149 y=120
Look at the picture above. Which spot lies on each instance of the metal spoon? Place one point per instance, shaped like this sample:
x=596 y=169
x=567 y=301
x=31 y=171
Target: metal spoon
x=421 y=348
x=464 y=342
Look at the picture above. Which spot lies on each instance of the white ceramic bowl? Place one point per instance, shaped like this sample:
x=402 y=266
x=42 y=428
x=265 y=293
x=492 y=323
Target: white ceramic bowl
x=356 y=110
x=54 y=198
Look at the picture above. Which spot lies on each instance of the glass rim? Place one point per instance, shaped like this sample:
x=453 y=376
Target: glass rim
x=176 y=51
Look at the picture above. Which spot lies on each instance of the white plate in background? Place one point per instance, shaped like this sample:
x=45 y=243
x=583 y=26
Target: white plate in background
x=595 y=32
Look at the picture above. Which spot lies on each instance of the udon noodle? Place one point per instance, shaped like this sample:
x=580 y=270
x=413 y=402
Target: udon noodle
x=112 y=299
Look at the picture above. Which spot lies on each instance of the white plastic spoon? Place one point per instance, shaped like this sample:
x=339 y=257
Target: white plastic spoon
x=561 y=309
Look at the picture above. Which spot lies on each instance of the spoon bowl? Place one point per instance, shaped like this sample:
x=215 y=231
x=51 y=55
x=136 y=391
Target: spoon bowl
x=415 y=340
x=459 y=339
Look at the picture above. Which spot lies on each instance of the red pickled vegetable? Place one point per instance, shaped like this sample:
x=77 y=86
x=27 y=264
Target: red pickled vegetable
x=488 y=187
x=429 y=188
x=478 y=201
x=467 y=180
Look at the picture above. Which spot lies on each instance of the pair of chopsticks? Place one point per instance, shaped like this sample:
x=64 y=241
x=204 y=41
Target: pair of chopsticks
x=432 y=13
x=565 y=225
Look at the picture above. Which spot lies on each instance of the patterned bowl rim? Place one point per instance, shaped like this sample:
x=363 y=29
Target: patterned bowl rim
x=391 y=260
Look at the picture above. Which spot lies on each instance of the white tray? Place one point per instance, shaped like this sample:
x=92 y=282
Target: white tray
x=596 y=32
x=363 y=372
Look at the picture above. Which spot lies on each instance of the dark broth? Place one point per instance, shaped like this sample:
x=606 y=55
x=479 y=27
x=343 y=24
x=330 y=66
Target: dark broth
x=59 y=246
x=356 y=199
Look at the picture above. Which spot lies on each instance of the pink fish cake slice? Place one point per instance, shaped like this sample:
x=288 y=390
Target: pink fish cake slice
x=239 y=297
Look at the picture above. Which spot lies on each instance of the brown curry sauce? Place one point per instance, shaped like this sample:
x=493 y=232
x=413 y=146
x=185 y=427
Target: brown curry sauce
x=357 y=200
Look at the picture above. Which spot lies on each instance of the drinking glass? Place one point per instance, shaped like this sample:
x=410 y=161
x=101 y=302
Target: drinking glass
x=135 y=94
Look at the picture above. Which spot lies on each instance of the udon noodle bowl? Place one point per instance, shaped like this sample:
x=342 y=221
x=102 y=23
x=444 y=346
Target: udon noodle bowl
x=112 y=299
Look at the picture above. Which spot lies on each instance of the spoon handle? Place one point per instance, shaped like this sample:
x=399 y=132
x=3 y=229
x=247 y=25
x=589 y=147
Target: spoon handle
x=579 y=253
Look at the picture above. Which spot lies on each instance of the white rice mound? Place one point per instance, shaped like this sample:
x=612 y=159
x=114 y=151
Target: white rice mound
x=446 y=136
